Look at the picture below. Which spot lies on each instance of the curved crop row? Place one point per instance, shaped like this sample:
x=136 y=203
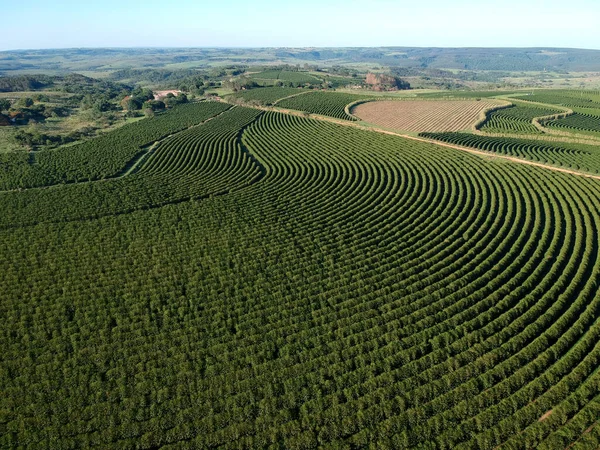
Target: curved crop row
x=566 y=98
x=199 y=162
x=104 y=156
x=576 y=156
x=267 y=95
x=369 y=291
x=286 y=75
x=576 y=122
x=516 y=119
x=330 y=104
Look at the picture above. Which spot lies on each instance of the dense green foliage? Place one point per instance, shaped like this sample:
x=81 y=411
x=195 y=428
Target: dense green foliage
x=333 y=81
x=576 y=122
x=267 y=95
x=72 y=83
x=103 y=157
x=568 y=98
x=516 y=119
x=347 y=289
x=26 y=109
x=331 y=104
x=25 y=83
x=575 y=156
x=78 y=84
x=157 y=76
x=203 y=161
x=286 y=75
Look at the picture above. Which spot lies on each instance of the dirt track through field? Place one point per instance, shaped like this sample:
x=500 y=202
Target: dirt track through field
x=290 y=96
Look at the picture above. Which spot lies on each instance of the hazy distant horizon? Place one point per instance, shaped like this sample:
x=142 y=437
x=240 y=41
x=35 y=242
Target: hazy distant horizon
x=234 y=47
x=269 y=24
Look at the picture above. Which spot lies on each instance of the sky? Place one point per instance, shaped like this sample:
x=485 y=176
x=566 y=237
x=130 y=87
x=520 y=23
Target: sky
x=307 y=23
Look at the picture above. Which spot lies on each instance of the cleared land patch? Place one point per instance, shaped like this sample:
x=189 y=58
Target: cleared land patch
x=424 y=115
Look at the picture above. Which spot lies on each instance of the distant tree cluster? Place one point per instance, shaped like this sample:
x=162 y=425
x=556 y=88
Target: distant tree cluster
x=79 y=84
x=240 y=84
x=30 y=109
x=154 y=76
x=139 y=96
x=190 y=81
x=4 y=104
x=172 y=100
x=21 y=83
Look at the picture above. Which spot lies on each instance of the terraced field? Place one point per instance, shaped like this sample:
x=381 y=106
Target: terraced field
x=266 y=96
x=580 y=157
x=566 y=98
x=330 y=104
x=271 y=280
x=423 y=115
x=516 y=120
x=577 y=122
x=286 y=75
x=103 y=157
x=203 y=161
x=584 y=104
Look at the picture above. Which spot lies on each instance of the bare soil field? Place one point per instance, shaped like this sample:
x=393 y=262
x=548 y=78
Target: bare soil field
x=424 y=115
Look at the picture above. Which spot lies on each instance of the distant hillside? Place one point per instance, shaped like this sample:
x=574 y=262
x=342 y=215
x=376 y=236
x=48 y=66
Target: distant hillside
x=501 y=59
x=505 y=59
x=72 y=83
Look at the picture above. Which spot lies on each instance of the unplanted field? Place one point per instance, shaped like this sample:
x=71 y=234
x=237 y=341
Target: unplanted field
x=424 y=115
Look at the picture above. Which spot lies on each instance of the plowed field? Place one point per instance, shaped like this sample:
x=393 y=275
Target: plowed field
x=423 y=115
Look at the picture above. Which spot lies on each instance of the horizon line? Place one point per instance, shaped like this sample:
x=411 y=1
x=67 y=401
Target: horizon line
x=292 y=47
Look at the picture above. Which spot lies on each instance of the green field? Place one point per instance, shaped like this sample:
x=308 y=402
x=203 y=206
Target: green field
x=572 y=156
x=566 y=98
x=103 y=157
x=516 y=119
x=267 y=95
x=264 y=280
x=330 y=104
x=578 y=123
x=286 y=75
